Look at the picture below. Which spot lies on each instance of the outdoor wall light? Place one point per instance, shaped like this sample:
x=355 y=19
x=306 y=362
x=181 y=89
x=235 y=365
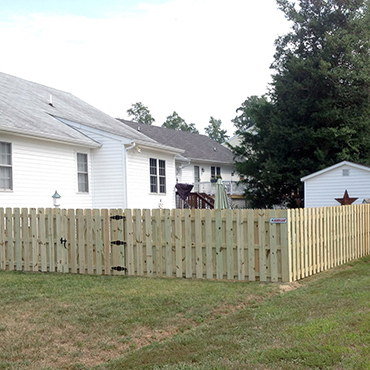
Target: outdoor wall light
x=203 y=169
x=56 y=199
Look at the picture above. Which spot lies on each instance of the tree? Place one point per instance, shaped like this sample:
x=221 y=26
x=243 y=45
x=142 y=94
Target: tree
x=317 y=111
x=175 y=122
x=140 y=113
x=213 y=130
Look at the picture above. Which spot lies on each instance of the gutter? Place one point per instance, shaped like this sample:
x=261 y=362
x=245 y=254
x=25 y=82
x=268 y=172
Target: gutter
x=50 y=137
x=126 y=172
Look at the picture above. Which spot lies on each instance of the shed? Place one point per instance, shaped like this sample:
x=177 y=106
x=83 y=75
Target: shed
x=322 y=188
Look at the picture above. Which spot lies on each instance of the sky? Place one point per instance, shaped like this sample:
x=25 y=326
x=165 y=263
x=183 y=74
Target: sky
x=200 y=58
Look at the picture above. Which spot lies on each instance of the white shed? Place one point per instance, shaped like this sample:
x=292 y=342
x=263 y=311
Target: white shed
x=323 y=187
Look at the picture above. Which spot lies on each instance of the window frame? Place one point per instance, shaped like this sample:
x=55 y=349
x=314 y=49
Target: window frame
x=215 y=172
x=157 y=176
x=83 y=173
x=8 y=166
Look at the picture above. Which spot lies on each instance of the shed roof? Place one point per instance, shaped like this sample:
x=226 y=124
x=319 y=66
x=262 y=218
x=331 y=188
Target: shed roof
x=195 y=146
x=32 y=109
x=340 y=164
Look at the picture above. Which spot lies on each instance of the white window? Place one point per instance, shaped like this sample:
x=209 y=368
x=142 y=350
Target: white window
x=215 y=172
x=82 y=173
x=157 y=170
x=6 y=178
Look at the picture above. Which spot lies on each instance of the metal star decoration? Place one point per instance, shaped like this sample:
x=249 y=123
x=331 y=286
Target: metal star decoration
x=346 y=200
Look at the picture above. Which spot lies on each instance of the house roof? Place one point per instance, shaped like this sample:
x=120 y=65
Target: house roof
x=340 y=164
x=25 y=110
x=195 y=146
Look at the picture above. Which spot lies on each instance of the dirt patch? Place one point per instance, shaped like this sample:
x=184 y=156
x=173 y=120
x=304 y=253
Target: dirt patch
x=289 y=287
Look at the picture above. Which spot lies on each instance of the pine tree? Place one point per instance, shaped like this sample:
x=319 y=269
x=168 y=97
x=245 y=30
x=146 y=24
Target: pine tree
x=317 y=112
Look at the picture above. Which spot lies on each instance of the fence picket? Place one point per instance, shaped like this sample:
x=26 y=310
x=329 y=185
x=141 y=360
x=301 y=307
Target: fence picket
x=17 y=239
x=209 y=214
x=198 y=245
x=2 y=239
x=98 y=241
x=81 y=241
x=252 y=214
x=273 y=248
x=50 y=250
x=178 y=241
x=72 y=252
x=240 y=245
x=25 y=239
x=148 y=241
x=229 y=244
x=218 y=243
x=42 y=240
x=188 y=247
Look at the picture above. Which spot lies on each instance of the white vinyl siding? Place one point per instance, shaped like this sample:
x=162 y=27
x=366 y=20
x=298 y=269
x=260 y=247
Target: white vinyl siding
x=138 y=184
x=39 y=168
x=107 y=183
x=205 y=174
x=6 y=182
x=321 y=190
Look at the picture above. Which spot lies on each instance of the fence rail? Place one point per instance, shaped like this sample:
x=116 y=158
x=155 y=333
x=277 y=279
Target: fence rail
x=248 y=245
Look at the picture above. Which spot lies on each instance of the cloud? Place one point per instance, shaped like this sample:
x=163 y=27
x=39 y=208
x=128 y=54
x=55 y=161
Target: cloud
x=200 y=58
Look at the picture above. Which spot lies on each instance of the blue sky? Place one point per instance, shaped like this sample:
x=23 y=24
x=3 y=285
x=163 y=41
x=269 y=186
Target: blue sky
x=200 y=58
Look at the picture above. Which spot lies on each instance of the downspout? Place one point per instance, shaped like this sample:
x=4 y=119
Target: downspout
x=126 y=172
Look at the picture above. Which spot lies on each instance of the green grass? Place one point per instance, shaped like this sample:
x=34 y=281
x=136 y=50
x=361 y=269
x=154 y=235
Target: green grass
x=51 y=321
x=76 y=322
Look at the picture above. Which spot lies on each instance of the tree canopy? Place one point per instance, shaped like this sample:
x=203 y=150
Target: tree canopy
x=175 y=122
x=317 y=111
x=140 y=113
x=214 y=131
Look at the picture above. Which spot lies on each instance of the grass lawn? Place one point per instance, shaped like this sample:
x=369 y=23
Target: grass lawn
x=51 y=321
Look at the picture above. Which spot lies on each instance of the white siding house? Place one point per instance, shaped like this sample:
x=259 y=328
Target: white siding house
x=323 y=187
x=140 y=193
x=52 y=141
x=40 y=167
x=201 y=161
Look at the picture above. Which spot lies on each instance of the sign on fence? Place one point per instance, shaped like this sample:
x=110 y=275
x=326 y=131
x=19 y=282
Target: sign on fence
x=280 y=220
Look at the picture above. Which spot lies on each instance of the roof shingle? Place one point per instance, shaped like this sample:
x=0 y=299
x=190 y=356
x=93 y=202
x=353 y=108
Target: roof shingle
x=196 y=146
x=25 y=108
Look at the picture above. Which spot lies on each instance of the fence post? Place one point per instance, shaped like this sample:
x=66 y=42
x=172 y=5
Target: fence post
x=286 y=237
x=2 y=239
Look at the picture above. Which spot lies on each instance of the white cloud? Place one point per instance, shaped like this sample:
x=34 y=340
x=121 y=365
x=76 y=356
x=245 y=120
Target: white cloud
x=200 y=58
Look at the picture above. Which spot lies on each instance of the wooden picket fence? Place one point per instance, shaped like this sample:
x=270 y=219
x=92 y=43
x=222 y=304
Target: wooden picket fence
x=322 y=238
x=247 y=245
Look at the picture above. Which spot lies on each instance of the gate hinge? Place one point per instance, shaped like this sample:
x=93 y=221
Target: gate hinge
x=119 y=268
x=117 y=217
x=118 y=242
